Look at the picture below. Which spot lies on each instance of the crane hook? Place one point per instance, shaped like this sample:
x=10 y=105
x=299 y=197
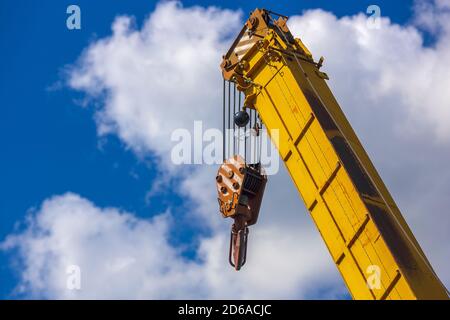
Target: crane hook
x=238 y=248
x=240 y=188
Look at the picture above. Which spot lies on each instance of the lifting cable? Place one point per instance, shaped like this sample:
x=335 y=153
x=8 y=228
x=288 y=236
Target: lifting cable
x=239 y=128
x=245 y=132
x=252 y=131
x=223 y=123
x=234 y=124
x=250 y=135
x=229 y=120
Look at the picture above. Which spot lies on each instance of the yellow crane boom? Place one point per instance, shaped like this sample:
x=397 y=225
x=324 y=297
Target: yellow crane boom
x=364 y=231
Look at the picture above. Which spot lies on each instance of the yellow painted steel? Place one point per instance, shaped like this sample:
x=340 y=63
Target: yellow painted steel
x=363 y=229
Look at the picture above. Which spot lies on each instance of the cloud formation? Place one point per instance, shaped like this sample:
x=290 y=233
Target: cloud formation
x=160 y=77
x=386 y=72
x=121 y=256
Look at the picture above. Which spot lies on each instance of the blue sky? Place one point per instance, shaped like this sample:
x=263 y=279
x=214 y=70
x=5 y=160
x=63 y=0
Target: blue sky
x=49 y=143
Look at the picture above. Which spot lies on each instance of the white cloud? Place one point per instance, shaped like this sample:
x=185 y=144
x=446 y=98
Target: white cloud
x=432 y=16
x=386 y=72
x=165 y=75
x=160 y=77
x=121 y=256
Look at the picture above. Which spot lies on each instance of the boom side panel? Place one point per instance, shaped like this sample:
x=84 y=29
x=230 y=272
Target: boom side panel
x=363 y=229
x=335 y=186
